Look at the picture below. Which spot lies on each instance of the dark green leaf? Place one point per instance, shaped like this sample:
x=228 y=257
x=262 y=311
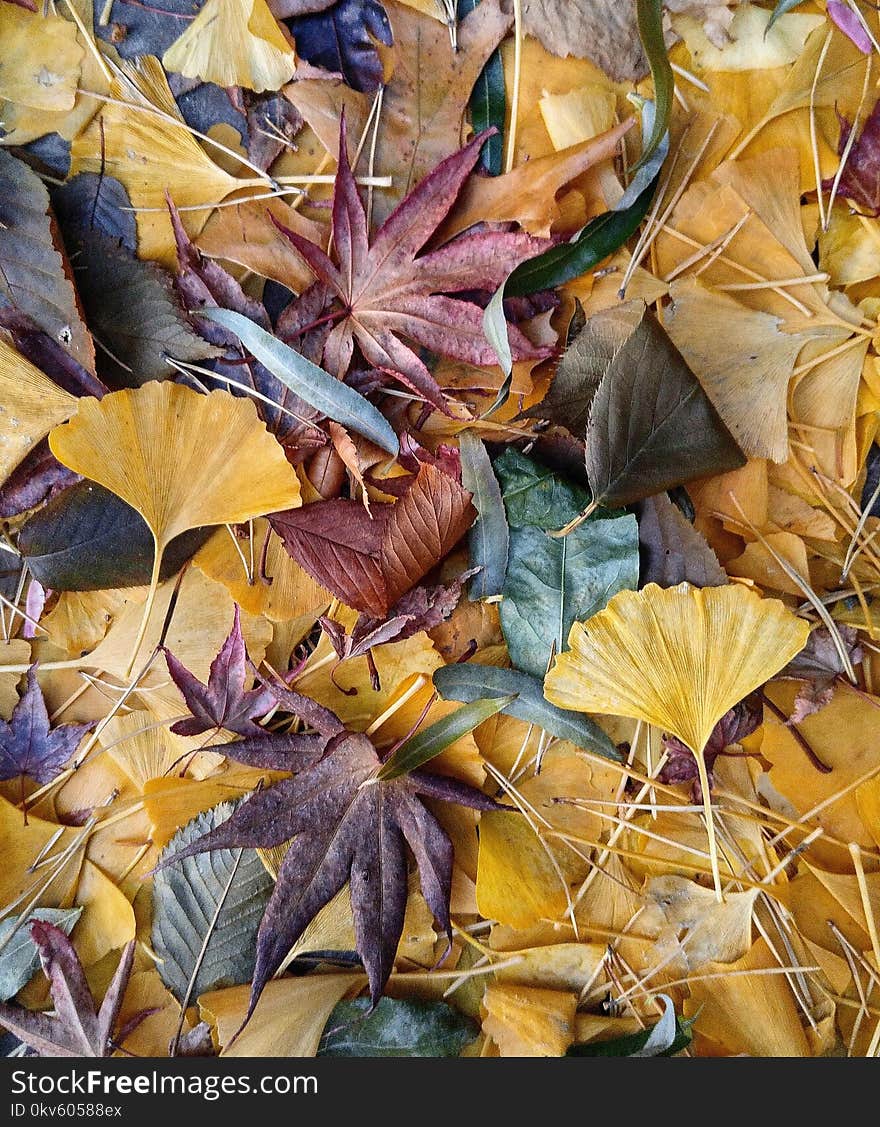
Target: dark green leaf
x=429 y=742
x=397 y=1027
x=186 y=896
x=488 y=102
x=633 y=1043
x=131 y=308
x=318 y=388
x=489 y=538
x=93 y=201
x=600 y=238
x=552 y=582
x=534 y=495
x=782 y=6
x=650 y=20
x=88 y=539
x=20 y=958
x=470 y=681
x=651 y=424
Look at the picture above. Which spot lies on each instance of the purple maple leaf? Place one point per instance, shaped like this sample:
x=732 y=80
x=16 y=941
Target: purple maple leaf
x=29 y=745
x=860 y=179
x=737 y=723
x=223 y=702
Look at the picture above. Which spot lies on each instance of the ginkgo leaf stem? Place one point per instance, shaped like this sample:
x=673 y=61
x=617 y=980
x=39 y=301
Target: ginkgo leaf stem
x=703 y=776
x=148 y=605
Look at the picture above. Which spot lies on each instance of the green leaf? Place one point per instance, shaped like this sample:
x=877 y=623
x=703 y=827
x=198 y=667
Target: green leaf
x=469 y=681
x=651 y=424
x=600 y=238
x=782 y=6
x=88 y=539
x=397 y=1027
x=535 y=495
x=551 y=582
x=650 y=21
x=20 y=958
x=186 y=896
x=635 y=1044
x=428 y=743
x=489 y=538
x=312 y=384
x=488 y=102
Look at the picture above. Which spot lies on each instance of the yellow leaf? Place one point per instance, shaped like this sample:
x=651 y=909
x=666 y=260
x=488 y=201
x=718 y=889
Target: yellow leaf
x=757 y=563
x=558 y=966
x=748 y=1013
x=868 y=803
x=233 y=43
x=517 y=883
x=280 y=590
x=181 y=459
x=14 y=652
x=577 y=115
x=676 y=658
x=140 y=746
x=41 y=59
x=142 y=140
x=289 y=1018
x=107 y=921
x=80 y=619
x=152 y=1036
x=30 y=405
x=171 y=802
x=524 y=1021
x=750 y=45
x=22 y=844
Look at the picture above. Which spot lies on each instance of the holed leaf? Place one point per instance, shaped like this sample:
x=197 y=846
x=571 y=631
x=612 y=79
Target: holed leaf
x=219 y=898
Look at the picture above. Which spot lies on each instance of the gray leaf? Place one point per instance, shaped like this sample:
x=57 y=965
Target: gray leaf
x=185 y=899
x=673 y=551
x=20 y=959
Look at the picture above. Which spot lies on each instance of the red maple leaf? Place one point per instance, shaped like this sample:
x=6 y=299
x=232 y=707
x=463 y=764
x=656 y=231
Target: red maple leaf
x=386 y=293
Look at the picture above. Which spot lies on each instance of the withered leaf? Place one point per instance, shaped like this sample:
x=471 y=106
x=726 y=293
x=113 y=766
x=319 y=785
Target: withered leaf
x=224 y=702
x=345 y=825
x=29 y=745
x=369 y=562
x=860 y=179
x=33 y=278
x=386 y=292
x=672 y=550
x=604 y=31
x=80 y=1028
x=341 y=37
x=737 y=723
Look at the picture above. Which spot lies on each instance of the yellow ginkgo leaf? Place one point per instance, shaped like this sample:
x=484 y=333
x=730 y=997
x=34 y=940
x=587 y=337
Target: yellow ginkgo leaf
x=677 y=658
x=41 y=59
x=181 y=459
x=234 y=43
x=526 y=1021
x=30 y=405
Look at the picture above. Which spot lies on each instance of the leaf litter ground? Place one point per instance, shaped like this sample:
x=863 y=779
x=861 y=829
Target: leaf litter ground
x=438 y=475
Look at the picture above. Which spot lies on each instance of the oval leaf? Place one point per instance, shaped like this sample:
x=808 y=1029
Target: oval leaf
x=88 y=539
x=428 y=743
x=469 y=682
x=186 y=897
x=489 y=538
x=396 y=1027
x=316 y=387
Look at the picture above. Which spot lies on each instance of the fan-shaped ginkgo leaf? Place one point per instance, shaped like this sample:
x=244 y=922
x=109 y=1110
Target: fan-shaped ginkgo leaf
x=182 y=459
x=233 y=43
x=677 y=658
x=30 y=405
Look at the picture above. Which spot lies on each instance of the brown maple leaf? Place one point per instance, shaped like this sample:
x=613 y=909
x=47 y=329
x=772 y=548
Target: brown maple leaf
x=383 y=294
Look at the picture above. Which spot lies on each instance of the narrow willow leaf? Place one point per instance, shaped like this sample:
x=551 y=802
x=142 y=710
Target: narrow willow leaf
x=186 y=896
x=20 y=958
x=469 y=681
x=495 y=331
x=396 y=1027
x=489 y=537
x=782 y=6
x=488 y=102
x=650 y=21
x=318 y=388
x=428 y=743
x=600 y=238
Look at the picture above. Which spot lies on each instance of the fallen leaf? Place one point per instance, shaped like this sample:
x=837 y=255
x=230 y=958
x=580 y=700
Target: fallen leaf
x=29 y=745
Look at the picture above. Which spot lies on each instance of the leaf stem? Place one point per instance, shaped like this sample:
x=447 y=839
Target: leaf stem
x=148 y=606
x=710 y=825
x=577 y=521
